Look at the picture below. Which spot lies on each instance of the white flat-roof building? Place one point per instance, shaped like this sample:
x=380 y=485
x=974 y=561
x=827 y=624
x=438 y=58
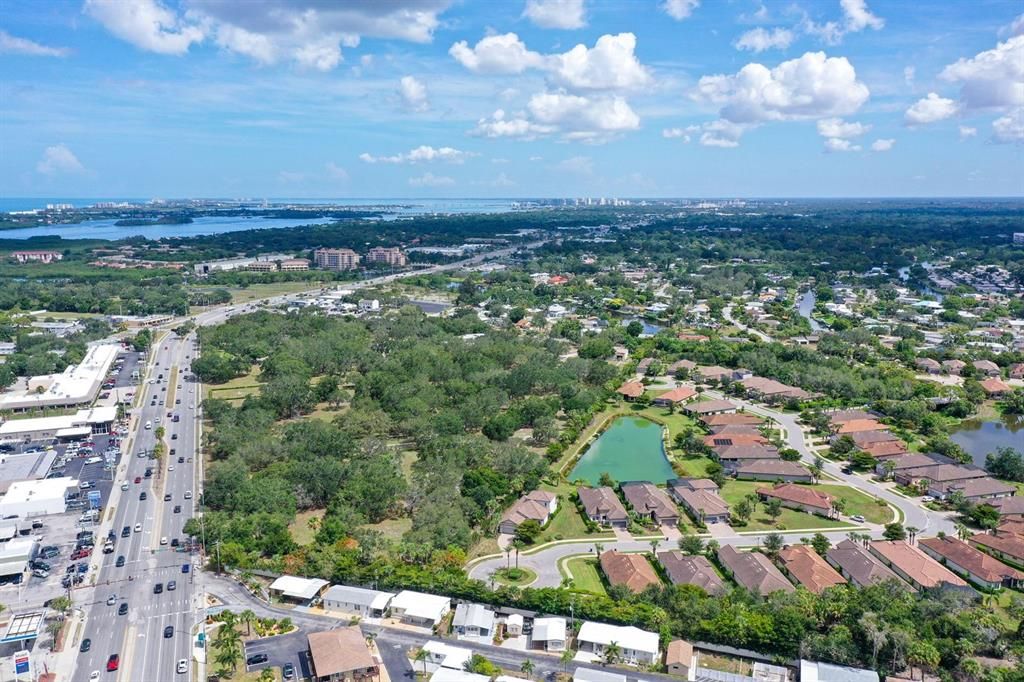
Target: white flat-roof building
x=357 y=600
x=591 y=675
x=418 y=608
x=446 y=655
x=473 y=620
x=75 y=385
x=814 y=671
x=15 y=554
x=296 y=589
x=549 y=633
x=24 y=499
x=80 y=424
x=638 y=646
x=452 y=675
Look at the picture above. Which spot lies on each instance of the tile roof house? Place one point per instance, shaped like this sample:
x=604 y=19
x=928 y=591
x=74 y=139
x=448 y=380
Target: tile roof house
x=649 y=501
x=807 y=568
x=954 y=367
x=913 y=565
x=859 y=426
x=733 y=456
x=685 y=366
x=537 y=506
x=713 y=373
x=855 y=563
x=986 y=367
x=724 y=440
x=734 y=418
x=734 y=429
x=843 y=416
x=631 y=390
x=973 y=564
x=1016 y=370
x=885 y=449
x=1008 y=507
x=773 y=470
x=706 y=407
x=341 y=655
x=862 y=438
x=699 y=496
x=938 y=476
x=684 y=569
x=753 y=571
x=602 y=506
x=929 y=365
x=630 y=570
x=981 y=489
x=1002 y=544
x=675 y=396
x=799 y=497
x=995 y=387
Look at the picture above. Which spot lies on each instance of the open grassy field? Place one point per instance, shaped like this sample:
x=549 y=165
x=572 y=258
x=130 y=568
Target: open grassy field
x=790 y=519
x=299 y=527
x=585 y=573
x=236 y=389
x=257 y=291
x=859 y=503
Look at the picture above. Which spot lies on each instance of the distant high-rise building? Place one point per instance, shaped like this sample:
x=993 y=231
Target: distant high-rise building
x=1018 y=237
x=336 y=259
x=391 y=255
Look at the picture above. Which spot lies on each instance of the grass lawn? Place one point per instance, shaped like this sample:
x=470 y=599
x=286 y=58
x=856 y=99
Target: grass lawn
x=675 y=421
x=567 y=522
x=236 y=389
x=257 y=291
x=392 y=529
x=409 y=458
x=525 y=577
x=484 y=547
x=299 y=527
x=585 y=573
x=696 y=466
x=790 y=519
x=859 y=503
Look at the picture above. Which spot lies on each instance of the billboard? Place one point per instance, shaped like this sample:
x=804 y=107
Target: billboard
x=94 y=499
x=21 y=665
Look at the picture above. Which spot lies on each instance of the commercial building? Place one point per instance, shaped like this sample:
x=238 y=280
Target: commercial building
x=25 y=499
x=15 y=555
x=245 y=263
x=341 y=655
x=336 y=259
x=357 y=601
x=297 y=590
x=76 y=385
x=393 y=256
x=79 y=425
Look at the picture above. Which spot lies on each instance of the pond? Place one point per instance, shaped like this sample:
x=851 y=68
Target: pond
x=980 y=438
x=630 y=449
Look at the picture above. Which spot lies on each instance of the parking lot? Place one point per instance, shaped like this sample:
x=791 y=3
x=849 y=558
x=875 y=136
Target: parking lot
x=280 y=650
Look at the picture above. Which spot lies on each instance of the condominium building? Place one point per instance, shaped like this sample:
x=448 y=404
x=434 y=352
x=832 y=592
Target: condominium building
x=392 y=255
x=336 y=259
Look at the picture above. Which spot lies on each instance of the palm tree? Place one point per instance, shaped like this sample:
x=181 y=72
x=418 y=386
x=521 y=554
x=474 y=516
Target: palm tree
x=421 y=655
x=508 y=557
x=53 y=629
x=654 y=546
x=247 y=617
x=527 y=668
x=567 y=657
x=912 y=532
x=612 y=653
x=963 y=532
x=518 y=545
x=229 y=650
x=267 y=675
x=598 y=548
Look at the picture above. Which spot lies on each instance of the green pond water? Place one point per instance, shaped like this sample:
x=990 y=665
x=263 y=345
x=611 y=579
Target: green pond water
x=630 y=449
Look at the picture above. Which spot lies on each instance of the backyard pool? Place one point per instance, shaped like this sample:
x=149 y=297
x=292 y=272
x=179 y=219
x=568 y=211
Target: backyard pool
x=630 y=449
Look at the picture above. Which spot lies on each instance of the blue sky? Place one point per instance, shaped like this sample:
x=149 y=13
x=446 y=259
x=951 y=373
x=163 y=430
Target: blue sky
x=549 y=98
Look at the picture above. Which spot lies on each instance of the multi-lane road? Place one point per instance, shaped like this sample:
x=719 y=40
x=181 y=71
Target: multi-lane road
x=138 y=636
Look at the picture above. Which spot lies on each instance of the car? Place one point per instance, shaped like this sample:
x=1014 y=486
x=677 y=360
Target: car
x=49 y=551
x=256 y=659
x=858 y=518
x=122 y=609
x=113 y=663
x=138 y=479
x=142 y=496
x=124 y=486
x=288 y=671
x=126 y=531
x=158 y=588
x=138 y=527
x=94 y=675
x=111 y=600
x=174 y=542
x=85 y=645
x=39 y=573
x=168 y=632
x=120 y=561
x=927 y=498
x=167 y=497
x=177 y=509
x=40 y=564
x=163 y=540
x=185 y=568
x=181 y=460
x=172 y=585
x=847 y=470
x=188 y=494
x=82 y=567
x=174 y=436
x=170 y=467
x=182 y=666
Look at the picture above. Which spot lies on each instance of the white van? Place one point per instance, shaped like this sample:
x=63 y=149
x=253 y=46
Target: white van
x=93 y=460
x=149 y=425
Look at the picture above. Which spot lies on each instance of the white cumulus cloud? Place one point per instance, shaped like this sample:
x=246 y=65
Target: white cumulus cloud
x=929 y=110
x=760 y=39
x=882 y=145
x=497 y=54
x=680 y=9
x=837 y=127
x=431 y=180
x=722 y=133
x=14 y=45
x=836 y=144
x=501 y=124
x=421 y=154
x=856 y=18
x=967 y=131
x=58 y=159
x=680 y=133
x=147 y=24
x=1014 y=28
x=591 y=119
x=1009 y=128
x=991 y=79
x=413 y=93
x=565 y=14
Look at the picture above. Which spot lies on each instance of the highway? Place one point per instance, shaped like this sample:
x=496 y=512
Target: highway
x=138 y=636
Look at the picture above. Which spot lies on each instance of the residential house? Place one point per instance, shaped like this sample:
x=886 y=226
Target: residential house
x=985 y=488
x=632 y=571
x=357 y=601
x=341 y=655
x=695 y=569
x=886 y=449
x=802 y=564
x=537 y=506
x=681 y=367
x=954 y=367
x=302 y=591
x=676 y=396
x=859 y=566
x=473 y=620
x=724 y=440
x=591 y=675
x=799 y=497
x=549 y=634
x=1004 y=543
x=859 y=426
x=773 y=470
x=723 y=419
x=995 y=388
x=732 y=457
x=980 y=568
x=631 y=390
x=753 y=570
x=647 y=500
x=772 y=391
x=602 y=506
x=1008 y=507
x=713 y=374
x=909 y=462
x=447 y=656
x=1016 y=370
x=637 y=646
x=679 y=658
x=913 y=565
x=736 y=429
x=644 y=365
x=842 y=416
x=709 y=407
x=418 y=608
x=699 y=496
x=863 y=439
x=928 y=365
x=986 y=367
x=937 y=477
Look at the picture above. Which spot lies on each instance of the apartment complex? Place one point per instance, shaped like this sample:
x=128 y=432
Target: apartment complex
x=336 y=259
x=391 y=255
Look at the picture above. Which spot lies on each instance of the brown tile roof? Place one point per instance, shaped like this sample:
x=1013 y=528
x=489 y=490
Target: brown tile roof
x=703 y=502
x=922 y=570
x=696 y=570
x=631 y=389
x=705 y=406
x=860 y=425
x=888 y=448
x=993 y=385
x=735 y=418
x=713 y=372
x=754 y=571
x=336 y=652
x=857 y=562
x=722 y=440
x=647 y=498
x=970 y=559
x=677 y=395
x=913 y=460
x=809 y=569
x=748 y=451
x=771 y=467
x=867 y=437
x=843 y=416
x=732 y=429
x=631 y=570
x=798 y=494
x=1010 y=544
x=1008 y=506
x=530 y=507
x=981 y=487
x=679 y=652
x=602 y=502
x=941 y=473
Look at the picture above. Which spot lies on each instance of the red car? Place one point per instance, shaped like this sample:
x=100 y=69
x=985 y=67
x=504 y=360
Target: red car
x=138 y=479
x=113 y=662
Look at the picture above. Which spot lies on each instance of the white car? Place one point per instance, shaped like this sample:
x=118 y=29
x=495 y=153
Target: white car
x=182 y=666
x=94 y=675
x=170 y=467
x=138 y=527
x=163 y=541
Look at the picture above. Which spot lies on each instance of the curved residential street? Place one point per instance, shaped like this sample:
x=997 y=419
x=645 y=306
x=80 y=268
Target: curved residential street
x=545 y=561
x=727 y=314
